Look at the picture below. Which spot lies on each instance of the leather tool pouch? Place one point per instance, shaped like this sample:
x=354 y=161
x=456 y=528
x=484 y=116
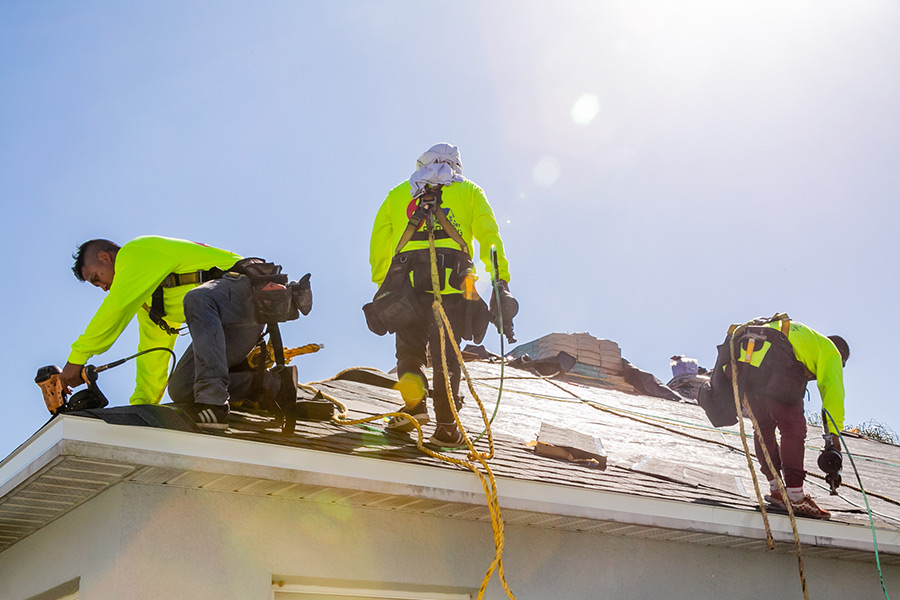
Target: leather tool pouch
x=716 y=396
x=394 y=306
x=397 y=303
x=477 y=318
x=272 y=296
x=302 y=295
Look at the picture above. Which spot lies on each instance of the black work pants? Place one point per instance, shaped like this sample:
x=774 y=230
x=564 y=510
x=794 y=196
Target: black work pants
x=411 y=346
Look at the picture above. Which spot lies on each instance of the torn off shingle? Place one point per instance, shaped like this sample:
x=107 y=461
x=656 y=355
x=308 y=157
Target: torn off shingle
x=573 y=446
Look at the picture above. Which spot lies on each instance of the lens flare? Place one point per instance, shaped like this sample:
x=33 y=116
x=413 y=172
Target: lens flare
x=411 y=389
x=546 y=171
x=585 y=109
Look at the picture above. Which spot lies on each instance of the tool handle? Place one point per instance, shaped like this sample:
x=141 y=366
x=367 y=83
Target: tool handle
x=48 y=378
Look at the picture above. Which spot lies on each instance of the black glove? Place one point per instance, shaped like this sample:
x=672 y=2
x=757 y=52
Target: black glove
x=508 y=306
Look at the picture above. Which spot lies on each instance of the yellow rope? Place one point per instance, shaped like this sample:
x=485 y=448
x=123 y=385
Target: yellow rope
x=742 y=399
x=488 y=482
x=770 y=542
x=474 y=458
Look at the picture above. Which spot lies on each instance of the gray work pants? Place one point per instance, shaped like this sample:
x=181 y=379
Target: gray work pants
x=219 y=315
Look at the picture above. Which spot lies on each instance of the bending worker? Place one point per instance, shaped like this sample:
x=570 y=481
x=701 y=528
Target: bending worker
x=167 y=282
x=777 y=360
x=401 y=267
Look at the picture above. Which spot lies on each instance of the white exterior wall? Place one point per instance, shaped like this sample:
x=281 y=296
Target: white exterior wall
x=148 y=542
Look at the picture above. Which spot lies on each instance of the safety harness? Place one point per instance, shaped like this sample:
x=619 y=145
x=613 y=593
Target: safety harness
x=157 y=308
x=275 y=300
x=430 y=204
x=766 y=365
x=397 y=304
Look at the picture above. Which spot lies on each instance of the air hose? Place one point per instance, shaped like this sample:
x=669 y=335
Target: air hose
x=495 y=284
x=865 y=499
x=122 y=361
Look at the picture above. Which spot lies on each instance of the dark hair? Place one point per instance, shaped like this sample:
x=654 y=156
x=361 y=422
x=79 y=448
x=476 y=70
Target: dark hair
x=87 y=250
x=842 y=346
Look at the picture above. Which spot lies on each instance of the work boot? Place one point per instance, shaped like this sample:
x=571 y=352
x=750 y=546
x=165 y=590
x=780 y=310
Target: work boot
x=808 y=508
x=418 y=411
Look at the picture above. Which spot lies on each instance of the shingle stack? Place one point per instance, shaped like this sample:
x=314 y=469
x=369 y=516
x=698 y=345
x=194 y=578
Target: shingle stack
x=595 y=358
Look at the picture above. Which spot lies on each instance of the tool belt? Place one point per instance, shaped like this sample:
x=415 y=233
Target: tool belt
x=275 y=300
x=400 y=301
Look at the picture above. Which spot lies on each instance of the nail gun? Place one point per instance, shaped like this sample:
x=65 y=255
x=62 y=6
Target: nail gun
x=48 y=378
x=830 y=459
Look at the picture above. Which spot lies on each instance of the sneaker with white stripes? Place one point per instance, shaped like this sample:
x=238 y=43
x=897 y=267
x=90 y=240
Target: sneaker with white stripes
x=209 y=416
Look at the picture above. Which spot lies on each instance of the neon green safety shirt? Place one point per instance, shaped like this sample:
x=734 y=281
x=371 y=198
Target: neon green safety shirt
x=821 y=358
x=140 y=267
x=467 y=209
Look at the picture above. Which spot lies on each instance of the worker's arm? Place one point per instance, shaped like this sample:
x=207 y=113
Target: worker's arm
x=819 y=355
x=830 y=379
x=486 y=232
x=380 y=250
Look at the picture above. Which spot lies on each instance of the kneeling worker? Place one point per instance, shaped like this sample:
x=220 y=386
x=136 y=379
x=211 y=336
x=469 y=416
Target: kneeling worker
x=776 y=361
x=167 y=282
x=401 y=267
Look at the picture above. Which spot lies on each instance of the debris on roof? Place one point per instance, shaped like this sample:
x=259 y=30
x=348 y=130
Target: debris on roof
x=570 y=445
x=647 y=384
x=596 y=361
x=687 y=376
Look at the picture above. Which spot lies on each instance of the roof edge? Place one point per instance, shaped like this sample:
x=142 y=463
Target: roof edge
x=89 y=438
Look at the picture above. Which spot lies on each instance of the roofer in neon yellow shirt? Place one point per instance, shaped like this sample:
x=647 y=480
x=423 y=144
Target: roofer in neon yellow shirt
x=401 y=267
x=777 y=359
x=216 y=304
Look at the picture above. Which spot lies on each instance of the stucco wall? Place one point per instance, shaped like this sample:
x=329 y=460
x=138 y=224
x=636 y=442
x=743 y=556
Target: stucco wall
x=144 y=542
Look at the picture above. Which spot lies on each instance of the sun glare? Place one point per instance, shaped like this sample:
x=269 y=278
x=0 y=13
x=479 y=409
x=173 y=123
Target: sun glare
x=585 y=109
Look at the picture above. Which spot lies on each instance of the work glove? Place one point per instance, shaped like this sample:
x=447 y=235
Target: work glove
x=508 y=306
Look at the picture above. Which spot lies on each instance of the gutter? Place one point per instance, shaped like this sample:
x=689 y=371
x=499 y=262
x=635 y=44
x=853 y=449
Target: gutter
x=69 y=436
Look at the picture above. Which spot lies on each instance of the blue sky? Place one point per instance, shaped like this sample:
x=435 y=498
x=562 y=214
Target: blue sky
x=659 y=170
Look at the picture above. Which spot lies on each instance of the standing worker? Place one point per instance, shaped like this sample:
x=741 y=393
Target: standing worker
x=167 y=282
x=401 y=267
x=777 y=359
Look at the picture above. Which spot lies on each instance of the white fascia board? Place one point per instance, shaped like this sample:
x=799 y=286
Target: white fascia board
x=30 y=457
x=92 y=438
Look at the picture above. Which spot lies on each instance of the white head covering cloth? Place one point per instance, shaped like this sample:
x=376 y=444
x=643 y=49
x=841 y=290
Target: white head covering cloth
x=439 y=165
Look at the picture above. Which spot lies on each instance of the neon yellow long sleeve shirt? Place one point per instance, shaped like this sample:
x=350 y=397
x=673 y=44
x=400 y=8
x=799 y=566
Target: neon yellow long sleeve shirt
x=467 y=209
x=140 y=266
x=820 y=356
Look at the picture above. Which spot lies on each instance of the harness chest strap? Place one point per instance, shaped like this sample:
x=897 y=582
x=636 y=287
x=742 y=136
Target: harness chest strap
x=416 y=221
